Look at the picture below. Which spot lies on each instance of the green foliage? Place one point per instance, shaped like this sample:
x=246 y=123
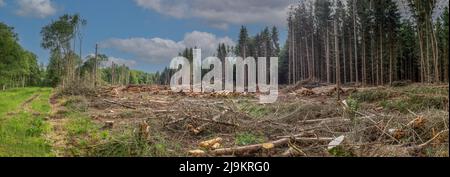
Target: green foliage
x=121 y=74
x=36 y=127
x=340 y=151
x=18 y=67
x=243 y=139
x=127 y=143
x=415 y=103
x=40 y=104
x=371 y=95
x=353 y=106
x=57 y=37
x=80 y=124
x=255 y=110
x=12 y=98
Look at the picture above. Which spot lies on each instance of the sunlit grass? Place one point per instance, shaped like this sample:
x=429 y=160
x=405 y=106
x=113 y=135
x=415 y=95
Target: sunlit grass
x=22 y=128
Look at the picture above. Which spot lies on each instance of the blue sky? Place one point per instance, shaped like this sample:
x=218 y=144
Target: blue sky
x=144 y=33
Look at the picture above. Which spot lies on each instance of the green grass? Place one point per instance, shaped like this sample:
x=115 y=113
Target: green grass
x=243 y=139
x=80 y=125
x=41 y=104
x=402 y=99
x=11 y=99
x=82 y=132
x=22 y=129
x=424 y=90
x=255 y=110
x=371 y=95
x=415 y=103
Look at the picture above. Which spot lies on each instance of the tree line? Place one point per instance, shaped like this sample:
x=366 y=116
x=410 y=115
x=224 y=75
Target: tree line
x=365 y=42
x=18 y=67
x=67 y=68
x=263 y=44
x=362 y=42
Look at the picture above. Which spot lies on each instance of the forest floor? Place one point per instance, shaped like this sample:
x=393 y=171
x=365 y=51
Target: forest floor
x=407 y=120
x=410 y=120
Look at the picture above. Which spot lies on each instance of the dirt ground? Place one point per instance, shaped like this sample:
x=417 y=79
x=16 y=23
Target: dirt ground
x=305 y=121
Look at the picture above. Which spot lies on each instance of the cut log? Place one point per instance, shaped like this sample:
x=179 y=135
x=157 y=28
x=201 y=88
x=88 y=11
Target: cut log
x=256 y=147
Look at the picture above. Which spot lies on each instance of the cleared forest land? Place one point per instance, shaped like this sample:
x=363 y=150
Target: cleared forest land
x=409 y=120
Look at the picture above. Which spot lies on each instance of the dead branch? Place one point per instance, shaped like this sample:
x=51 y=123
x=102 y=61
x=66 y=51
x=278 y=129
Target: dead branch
x=256 y=147
x=324 y=120
x=215 y=118
x=162 y=111
x=421 y=146
x=120 y=104
x=218 y=122
x=175 y=121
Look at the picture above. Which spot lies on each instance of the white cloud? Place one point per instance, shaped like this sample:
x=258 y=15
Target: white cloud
x=36 y=8
x=157 y=50
x=220 y=14
x=2 y=3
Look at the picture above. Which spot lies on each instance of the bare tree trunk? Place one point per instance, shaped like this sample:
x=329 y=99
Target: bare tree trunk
x=113 y=73
x=336 y=47
x=436 y=56
x=95 y=65
x=372 y=58
x=427 y=46
x=364 y=72
x=391 y=72
x=356 y=42
x=294 y=68
x=327 y=56
x=422 y=58
x=445 y=64
x=381 y=57
x=350 y=58
x=313 y=76
x=308 y=58
x=344 y=57
x=290 y=53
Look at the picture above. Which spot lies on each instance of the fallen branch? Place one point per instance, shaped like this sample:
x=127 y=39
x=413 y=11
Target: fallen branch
x=214 y=120
x=256 y=147
x=175 y=121
x=283 y=117
x=120 y=104
x=159 y=102
x=376 y=126
x=218 y=122
x=162 y=111
x=200 y=128
x=421 y=146
x=324 y=120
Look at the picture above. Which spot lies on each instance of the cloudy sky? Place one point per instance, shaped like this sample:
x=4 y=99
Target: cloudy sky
x=146 y=34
